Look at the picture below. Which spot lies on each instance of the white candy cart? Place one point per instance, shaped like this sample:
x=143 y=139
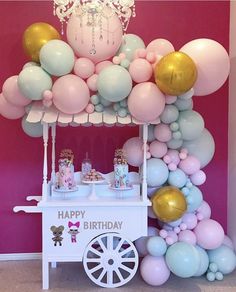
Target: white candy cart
x=97 y=230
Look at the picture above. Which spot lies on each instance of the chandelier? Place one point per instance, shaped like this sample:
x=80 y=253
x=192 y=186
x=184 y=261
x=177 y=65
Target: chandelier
x=125 y=9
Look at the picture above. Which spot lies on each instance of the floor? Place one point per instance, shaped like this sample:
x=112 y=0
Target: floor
x=25 y=276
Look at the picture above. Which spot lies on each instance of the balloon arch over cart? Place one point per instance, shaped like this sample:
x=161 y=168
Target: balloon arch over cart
x=153 y=85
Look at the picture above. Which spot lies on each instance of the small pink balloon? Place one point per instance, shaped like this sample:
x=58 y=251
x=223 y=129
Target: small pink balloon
x=146 y=102
x=162 y=132
x=200 y=216
x=151 y=58
x=47 y=95
x=163 y=233
x=198 y=178
x=158 y=149
x=174 y=156
x=92 y=82
x=89 y=108
x=190 y=165
x=172 y=166
x=122 y=56
x=47 y=103
x=160 y=46
x=142 y=53
x=169 y=240
x=183 y=226
x=182 y=155
x=102 y=65
x=177 y=230
x=116 y=60
x=209 y=233
x=134 y=152
x=10 y=111
x=84 y=68
x=70 y=94
x=205 y=210
x=228 y=242
x=170 y=99
x=212 y=62
x=107 y=35
x=190 y=219
x=12 y=93
x=154 y=270
x=187 y=236
x=167 y=159
x=140 y=70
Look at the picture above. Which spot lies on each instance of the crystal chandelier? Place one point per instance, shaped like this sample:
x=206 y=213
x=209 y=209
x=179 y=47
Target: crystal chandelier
x=125 y=9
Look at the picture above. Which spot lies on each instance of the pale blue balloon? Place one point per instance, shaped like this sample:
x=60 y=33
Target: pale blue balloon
x=194 y=199
x=203 y=148
x=204 y=261
x=170 y=114
x=157 y=172
x=224 y=257
x=130 y=44
x=95 y=99
x=183 y=259
x=57 y=58
x=184 y=104
x=114 y=83
x=122 y=112
x=151 y=136
x=156 y=246
x=34 y=130
x=175 y=223
x=191 y=124
x=175 y=143
x=177 y=178
x=187 y=95
x=33 y=81
x=104 y=101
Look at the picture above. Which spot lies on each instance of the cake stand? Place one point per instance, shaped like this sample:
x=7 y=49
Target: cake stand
x=120 y=191
x=93 y=196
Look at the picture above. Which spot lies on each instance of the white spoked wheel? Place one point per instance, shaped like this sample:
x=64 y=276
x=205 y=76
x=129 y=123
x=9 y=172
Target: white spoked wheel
x=110 y=260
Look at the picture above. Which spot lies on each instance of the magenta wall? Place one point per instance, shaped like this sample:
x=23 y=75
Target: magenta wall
x=21 y=156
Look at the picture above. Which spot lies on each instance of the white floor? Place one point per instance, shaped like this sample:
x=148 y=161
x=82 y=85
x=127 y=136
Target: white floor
x=25 y=276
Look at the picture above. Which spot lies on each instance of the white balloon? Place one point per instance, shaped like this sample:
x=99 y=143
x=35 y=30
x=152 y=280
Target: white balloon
x=203 y=148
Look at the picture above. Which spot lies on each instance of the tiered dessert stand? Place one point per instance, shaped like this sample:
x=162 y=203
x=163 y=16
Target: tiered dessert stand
x=108 y=224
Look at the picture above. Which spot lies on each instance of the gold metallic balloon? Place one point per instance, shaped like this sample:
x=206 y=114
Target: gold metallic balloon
x=37 y=35
x=175 y=73
x=168 y=204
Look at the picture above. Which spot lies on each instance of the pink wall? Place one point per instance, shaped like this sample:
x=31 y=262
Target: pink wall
x=21 y=156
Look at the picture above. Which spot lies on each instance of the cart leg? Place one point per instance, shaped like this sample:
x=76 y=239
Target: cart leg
x=45 y=271
x=53 y=265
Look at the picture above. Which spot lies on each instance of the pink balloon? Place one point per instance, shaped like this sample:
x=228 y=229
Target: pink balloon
x=190 y=165
x=89 y=108
x=170 y=99
x=151 y=57
x=47 y=95
x=212 y=62
x=162 y=133
x=198 y=178
x=116 y=60
x=187 y=236
x=84 y=68
x=12 y=93
x=146 y=102
x=70 y=94
x=133 y=151
x=190 y=220
x=154 y=270
x=160 y=46
x=107 y=36
x=92 y=82
x=140 y=70
x=209 y=233
x=172 y=156
x=204 y=210
x=102 y=65
x=158 y=149
x=10 y=111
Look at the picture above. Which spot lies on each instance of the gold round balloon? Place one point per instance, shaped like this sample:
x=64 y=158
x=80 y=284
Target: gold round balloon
x=168 y=204
x=37 y=35
x=175 y=73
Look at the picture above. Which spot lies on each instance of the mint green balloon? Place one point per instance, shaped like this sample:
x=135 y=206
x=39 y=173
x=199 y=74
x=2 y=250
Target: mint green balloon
x=130 y=44
x=34 y=130
x=33 y=81
x=57 y=58
x=114 y=83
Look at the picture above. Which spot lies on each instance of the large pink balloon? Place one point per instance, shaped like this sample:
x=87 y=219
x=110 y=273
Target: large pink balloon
x=209 y=233
x=12 y=93
x=133 y=151
x=10 y=111
x=98 y=42
x=146 y=102
x=212 y=63
x=70 y=94
x=160 y=46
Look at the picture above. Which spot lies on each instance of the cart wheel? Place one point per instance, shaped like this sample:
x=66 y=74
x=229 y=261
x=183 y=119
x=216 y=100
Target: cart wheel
x=110 y=260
